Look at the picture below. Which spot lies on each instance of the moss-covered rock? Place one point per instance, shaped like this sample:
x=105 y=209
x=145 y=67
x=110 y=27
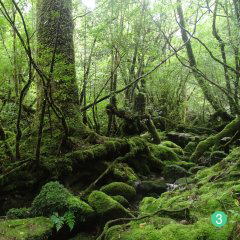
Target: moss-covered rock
x=18 y=213
x=176 y=148
x=182 y=139
x=214 y=189
x=122 y=200
x=173 y=172
x=119 y=188
x=54 y=197
x=39 y=228
x=106 y=207
x=163 y=152
x=151 y=187
x=122 y=172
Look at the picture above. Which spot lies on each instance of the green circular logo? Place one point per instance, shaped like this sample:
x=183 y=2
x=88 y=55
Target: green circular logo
x=219 y=219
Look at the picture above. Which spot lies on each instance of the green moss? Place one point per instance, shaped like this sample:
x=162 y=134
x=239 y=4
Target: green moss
x=122 y=200
x=213 y=190
x=18 y=213
x=55 y=198
x=106 y=207
x=176 y=148
x=80 y=209
x=190 y=147
x=173 y=172
x=123 y=172
x=26 y=229
x=163 y=152
x=119 y=188
x=204 y=145
x=52 y=198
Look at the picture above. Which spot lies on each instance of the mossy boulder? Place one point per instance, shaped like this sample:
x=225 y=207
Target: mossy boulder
x=173 y=172
x=39 y=228
x=182 y=139
x=151 y=187
x=119 y=188
x=176 y=148
x=214 y=189
x=163 y=153
x=122 y=200
x=122 y=172
x=106 y=207
x=19 y=213
x=54 y=197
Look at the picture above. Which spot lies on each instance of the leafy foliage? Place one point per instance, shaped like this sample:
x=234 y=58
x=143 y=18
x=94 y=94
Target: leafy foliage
x=68 y=218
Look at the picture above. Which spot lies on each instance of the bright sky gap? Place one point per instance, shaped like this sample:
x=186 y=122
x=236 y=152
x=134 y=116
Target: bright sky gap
x=90 y=4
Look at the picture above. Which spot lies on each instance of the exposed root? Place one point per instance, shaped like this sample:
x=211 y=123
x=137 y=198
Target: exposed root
x=177 y=214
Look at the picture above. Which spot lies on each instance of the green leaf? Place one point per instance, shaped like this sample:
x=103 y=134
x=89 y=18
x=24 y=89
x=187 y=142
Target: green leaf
x=69 y=219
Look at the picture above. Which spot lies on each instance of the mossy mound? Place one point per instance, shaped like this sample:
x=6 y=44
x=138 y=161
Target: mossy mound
x=163 y=152
x=122 y=200
x=119 y=188
x=122 y=172
x=39 y=228
x=106 y=207
x=172 y=172
x=212 y=189
x=54 y=197
x=176 y=148
x=19 y=213
x=151 y=187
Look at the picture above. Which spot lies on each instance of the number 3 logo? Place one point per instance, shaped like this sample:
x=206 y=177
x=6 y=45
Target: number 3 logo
x=219 y=219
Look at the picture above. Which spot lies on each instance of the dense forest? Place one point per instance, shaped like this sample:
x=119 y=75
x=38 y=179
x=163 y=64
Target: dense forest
x=119 y=119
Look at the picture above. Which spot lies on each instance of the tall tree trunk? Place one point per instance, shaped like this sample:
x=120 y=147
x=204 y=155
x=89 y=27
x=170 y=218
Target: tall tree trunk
x=56 y=58
x=192 y=61
x=233 y=107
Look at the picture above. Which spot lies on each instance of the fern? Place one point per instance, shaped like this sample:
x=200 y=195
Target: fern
x=57 y=221
x=69 y=219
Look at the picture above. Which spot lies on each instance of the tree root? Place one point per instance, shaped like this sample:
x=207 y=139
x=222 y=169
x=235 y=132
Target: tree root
x=177 y=214
x=203 y=146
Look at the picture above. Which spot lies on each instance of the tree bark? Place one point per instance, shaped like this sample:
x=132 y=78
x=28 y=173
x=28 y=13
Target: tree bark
x=192 y=60
x=56 y=58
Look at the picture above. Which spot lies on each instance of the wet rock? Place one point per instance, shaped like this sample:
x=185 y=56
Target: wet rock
x=151 y=187
x=173 y=172
x=182 y=139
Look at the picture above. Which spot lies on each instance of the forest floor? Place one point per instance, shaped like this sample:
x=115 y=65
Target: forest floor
x=172 y=204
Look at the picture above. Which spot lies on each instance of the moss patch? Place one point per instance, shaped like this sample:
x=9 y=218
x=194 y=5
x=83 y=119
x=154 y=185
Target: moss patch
x=163 y=152
x=106 y=207
x=26 y=229
x=55 y=198
x=213 y=189
x=119 y=188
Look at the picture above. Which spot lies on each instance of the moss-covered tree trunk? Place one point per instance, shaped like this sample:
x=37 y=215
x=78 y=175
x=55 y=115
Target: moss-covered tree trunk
x=58 y=97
